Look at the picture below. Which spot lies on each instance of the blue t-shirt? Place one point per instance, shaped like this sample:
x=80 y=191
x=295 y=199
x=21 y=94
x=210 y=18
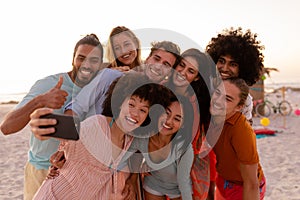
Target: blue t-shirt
x=89 y=100
x=40 y=151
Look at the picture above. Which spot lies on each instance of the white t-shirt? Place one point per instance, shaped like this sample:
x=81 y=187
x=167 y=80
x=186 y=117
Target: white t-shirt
x=248 y=107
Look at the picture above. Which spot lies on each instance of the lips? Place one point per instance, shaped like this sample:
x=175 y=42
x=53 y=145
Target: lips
x=131 y=120
x=180 y=77
x=216 y=106
x=125 y=56
x=154 y=72
x=85 y=71
x=166 y=126
x=225 y=75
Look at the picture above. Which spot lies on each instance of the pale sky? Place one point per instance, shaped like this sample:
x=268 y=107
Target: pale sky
x=37 y=37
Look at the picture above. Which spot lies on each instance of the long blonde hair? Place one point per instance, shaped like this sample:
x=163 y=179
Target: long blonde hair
x=110 y=54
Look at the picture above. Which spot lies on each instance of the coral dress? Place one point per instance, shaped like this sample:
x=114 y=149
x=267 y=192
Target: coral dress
x=90 y=172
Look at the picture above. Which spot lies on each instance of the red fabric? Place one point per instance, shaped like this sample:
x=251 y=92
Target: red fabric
x=229 y=191
x=200 y=171
x=200 y=177
x=212 y=166
x=264 y=131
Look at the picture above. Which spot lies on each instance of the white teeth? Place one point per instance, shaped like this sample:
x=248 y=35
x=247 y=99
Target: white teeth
x=180 y=77
x=167 y=127
x=154 y=72
x=126 y=56
x=224 y=75
x=85 y=72
x=216 y=106
x=130 y=120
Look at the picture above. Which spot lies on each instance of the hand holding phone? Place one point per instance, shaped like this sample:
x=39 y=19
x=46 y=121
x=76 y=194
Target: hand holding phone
x=67 y=126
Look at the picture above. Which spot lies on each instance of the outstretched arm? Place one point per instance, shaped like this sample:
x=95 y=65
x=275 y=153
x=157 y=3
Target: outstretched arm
x=17 y=119
x=36 y=122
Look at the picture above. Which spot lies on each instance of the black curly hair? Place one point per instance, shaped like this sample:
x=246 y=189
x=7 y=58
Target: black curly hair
x=244 y=48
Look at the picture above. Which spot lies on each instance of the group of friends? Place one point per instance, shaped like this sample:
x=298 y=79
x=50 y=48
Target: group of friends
x=146 y=122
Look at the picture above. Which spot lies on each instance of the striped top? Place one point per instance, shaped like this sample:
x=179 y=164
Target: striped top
x=90 y=172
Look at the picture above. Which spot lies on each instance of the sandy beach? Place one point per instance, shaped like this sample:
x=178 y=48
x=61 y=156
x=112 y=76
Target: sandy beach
x=279 y=155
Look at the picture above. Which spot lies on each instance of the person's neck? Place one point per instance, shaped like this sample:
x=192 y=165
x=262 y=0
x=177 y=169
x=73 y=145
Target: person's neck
x=72 y=74
x=181 y=90
x=218 y=120
x=161 y=140
x=118 y=135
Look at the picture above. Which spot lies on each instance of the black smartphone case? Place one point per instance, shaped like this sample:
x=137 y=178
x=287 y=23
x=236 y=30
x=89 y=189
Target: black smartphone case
x=67 y=127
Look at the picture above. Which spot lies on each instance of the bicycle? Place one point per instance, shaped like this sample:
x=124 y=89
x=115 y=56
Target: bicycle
x=264 y=108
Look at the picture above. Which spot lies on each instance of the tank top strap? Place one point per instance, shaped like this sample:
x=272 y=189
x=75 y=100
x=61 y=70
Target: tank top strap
x=111 y=122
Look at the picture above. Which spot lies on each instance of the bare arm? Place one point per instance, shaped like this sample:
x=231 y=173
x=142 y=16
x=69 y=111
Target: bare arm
x=17 y=119
x=130 y=189
x=250 y=182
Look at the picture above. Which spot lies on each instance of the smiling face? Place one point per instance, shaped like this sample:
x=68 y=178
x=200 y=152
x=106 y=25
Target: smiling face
x=86 y=63
x=170 y=121
x=225 y=100
x=133 y=113
x=228 y=67
x=186 y=72
x=124 y=48
x=159 y=65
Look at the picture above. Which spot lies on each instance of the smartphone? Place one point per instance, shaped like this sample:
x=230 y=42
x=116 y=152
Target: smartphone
x=67 y=126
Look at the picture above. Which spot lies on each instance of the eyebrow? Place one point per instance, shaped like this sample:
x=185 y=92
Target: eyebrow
x=229 y=97
x=133 y=99
x=180 y=116
x=230 y=60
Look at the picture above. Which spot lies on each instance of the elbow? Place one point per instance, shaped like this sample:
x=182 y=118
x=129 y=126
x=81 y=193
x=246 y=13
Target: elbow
x=5 y=129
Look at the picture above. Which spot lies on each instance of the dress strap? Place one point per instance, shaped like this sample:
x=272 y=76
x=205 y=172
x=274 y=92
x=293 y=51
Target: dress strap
x=111 y=122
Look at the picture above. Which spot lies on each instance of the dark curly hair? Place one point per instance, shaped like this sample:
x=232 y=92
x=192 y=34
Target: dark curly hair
x=243 y=48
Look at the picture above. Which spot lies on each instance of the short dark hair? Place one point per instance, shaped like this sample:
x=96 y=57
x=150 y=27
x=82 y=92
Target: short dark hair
x=90 y=39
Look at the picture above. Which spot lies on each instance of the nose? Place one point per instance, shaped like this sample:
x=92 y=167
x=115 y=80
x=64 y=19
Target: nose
x=168 y=121
x=85 y=63
x=123 y=50
x=225 y=66
x=182 y=71
x=133 y=112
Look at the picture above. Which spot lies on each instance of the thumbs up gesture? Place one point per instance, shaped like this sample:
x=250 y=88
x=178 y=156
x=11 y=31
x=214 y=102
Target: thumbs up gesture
x=55 y=97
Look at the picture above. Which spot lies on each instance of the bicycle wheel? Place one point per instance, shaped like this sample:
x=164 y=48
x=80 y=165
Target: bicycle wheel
x=263 y=109
x=285 y=108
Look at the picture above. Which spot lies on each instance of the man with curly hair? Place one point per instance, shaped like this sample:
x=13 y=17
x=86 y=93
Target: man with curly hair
x=236 y=54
